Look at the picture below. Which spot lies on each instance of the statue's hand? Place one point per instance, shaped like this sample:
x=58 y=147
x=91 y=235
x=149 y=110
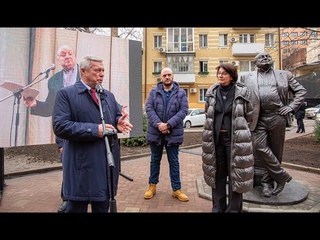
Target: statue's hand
x=285 y=110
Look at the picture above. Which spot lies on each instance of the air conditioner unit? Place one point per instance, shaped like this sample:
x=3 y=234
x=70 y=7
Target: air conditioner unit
x=235 y=63
x=162 y=50
x=193 y=90
x=233 y=40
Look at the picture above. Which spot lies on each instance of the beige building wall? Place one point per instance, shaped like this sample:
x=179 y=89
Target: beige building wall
x=213 y=54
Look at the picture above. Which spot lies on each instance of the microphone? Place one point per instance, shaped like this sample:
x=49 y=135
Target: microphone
x=99 y=88
x=110 y=132
x=52 y=67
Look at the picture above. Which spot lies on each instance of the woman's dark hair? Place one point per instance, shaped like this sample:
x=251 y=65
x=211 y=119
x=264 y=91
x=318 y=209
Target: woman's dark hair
x=229 y=68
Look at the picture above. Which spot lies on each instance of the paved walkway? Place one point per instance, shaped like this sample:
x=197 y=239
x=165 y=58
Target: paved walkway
x=40 y=192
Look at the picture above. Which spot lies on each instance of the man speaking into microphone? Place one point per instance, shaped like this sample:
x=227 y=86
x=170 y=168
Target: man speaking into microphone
x=67 y=76
x=77 y=118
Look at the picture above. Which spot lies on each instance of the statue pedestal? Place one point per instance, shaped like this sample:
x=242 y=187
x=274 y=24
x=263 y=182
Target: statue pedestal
x=292 y=193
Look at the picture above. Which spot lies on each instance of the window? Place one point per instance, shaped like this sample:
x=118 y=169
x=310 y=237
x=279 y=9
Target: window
x=203 y=66
x=246 y=66
x=187 y=92
x=180 y=40
x=313 y=33
x=181 y=63
x=157 y=41
x=303 y=33
x=202 y=94
x=285 y=43
x=285 y=34
x=246 y=38
x=294 y=42
x=269 y=39
x=223 y=39
x=203 y=40
x=157 y=67
x=294 y=34
x=303 y=42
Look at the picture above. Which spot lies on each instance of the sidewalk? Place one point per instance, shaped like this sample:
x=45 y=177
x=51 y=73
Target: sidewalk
x=40 y=192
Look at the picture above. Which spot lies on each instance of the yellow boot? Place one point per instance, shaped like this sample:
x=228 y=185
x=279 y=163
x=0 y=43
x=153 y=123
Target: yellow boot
x=180 y=195
x=151 y=191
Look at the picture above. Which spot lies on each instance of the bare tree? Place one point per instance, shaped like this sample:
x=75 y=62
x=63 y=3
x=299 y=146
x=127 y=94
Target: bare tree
x=126 y=33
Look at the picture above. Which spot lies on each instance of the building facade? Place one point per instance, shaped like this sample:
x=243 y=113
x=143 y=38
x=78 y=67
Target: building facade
x=299 y=46
x=194 y=53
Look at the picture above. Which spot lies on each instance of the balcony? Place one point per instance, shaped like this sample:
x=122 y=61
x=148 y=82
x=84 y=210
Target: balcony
x=246 y=49
x=186 y=78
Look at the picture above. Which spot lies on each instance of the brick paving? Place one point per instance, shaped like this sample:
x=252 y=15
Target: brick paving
x=40 y=192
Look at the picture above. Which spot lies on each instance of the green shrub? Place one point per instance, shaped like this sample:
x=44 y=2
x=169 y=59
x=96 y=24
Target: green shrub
x=316 y=131
x=137 y=141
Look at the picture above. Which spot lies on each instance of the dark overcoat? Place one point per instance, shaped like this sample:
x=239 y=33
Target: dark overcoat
x=76 y=118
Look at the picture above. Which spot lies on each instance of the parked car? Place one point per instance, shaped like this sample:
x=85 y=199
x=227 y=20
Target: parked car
x=317 y=118
x=195 y=118
x=311 y=112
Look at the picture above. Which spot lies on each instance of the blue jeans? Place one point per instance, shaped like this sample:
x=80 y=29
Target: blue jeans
x=156 y=156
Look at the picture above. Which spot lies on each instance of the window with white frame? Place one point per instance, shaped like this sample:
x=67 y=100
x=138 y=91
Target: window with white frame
x=180 y=40
x=157 y=42
x=181 y=63
x=223 y=40
x=203 y=66
x=246 y=38
x=202 y=94
x=269 y=39
x=157 y=67
x=203 y=40
x=246 y=66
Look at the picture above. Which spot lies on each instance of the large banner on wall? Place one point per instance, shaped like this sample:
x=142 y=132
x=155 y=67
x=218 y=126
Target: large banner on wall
x=26 y=55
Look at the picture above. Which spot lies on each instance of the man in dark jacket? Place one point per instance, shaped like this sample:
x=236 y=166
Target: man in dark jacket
x=87 y=176
x=271 y=113
x=166 y=107
x=67 y=76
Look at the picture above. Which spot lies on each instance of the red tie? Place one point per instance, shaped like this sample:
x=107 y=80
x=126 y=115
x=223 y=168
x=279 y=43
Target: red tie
x=94 y=96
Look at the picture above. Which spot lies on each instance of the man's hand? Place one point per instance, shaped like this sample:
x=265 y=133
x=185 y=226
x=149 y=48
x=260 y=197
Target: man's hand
x=30 y=102
x=163 y=128
x=285 y=110
x=123 y=125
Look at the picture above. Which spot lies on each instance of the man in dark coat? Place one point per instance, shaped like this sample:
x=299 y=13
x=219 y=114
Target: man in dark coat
x=76 y=118
x=67 y=76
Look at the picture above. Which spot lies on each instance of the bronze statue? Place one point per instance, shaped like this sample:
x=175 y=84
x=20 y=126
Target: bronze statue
x=270 y=91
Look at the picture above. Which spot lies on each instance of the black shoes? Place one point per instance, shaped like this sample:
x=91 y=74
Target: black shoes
x=63 y=207
x=280 y=186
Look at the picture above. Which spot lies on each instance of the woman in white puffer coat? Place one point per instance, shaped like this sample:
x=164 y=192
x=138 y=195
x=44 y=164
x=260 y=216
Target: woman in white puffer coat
x=227 y=153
